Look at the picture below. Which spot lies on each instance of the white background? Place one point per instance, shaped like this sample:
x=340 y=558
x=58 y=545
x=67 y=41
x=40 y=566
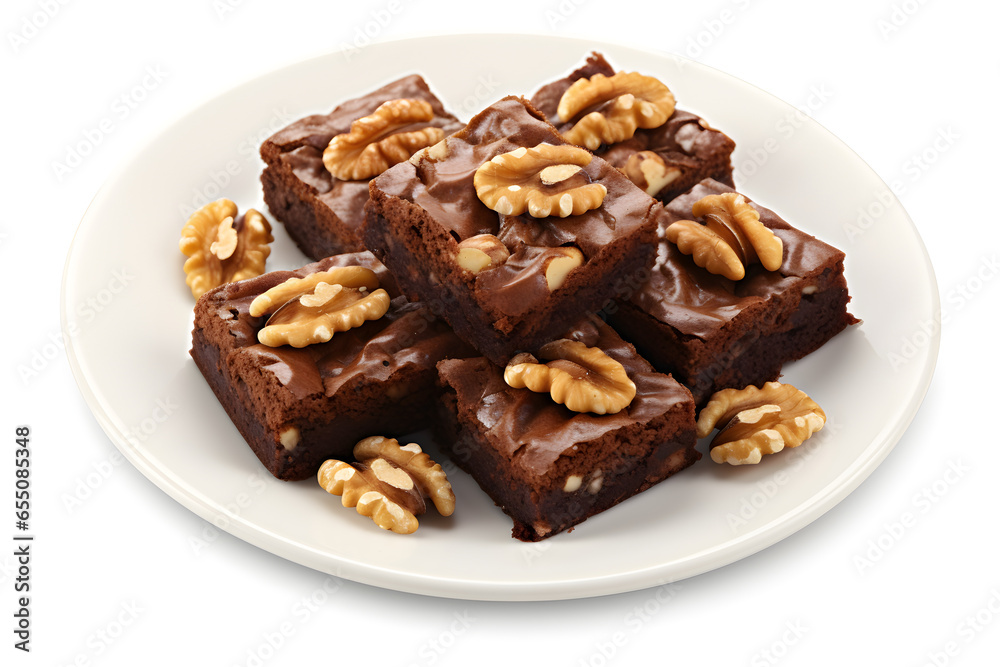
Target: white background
x=127 y=576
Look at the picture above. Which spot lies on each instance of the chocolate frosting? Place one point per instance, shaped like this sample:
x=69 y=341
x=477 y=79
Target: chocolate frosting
x=531 y=429
x=302 y=143
x=684 y=136
x=444 y=188
x=406 y=335
x=698 y=303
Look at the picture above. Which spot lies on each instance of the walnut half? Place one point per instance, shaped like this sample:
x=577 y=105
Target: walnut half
x=756 y=422
x=316 y=316
x=389 y=483
x=377 y=142
x=625 y=101
x=582 y=378
x=541 y=181
x=311 y=310
x=732 y=238
x=357 y=277
x=220 y=251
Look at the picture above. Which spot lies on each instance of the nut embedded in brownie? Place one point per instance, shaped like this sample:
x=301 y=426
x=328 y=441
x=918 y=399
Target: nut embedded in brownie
x=568 y=438
x=364 y=362
x=507 y=232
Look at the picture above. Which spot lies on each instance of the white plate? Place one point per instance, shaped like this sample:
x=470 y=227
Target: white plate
x=127 y=316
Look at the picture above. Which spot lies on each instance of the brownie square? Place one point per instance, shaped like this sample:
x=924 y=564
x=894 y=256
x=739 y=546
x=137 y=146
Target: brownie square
x=297 y=407
x=321 y=213
x=685 y=142
x=711 y=332
x=550 y=468
x=422 y=209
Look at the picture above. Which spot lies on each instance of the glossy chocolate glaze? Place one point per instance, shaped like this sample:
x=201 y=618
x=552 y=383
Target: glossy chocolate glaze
x=683 y=135
x=698 y=303
x=444 y=187
x=301 y=144
x=531 y=429
x=406 y=335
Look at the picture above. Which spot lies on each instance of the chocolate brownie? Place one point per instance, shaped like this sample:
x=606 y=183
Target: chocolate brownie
x=685 y=142
x=297 y=407
x=421 y=210
x=321 y=213
x=550 y=468
x=711 y=332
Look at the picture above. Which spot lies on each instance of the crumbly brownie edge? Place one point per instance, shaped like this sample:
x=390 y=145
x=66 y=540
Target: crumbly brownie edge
x=366 y=410
x=315 y=228
x=207 y=357
x=261 y=406
x=661 y=448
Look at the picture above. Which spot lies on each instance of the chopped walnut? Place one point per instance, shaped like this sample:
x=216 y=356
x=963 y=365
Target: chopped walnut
x=389 y=483
x=481 y=252
x=221 y=252
x=756 y=422
x=732 y=238
x=582 y=378
x=376 y=142
x=438 y=151
x=289 y=437
x=563 y=261
x=541 y=181
x=630 y=101
x=648 y=171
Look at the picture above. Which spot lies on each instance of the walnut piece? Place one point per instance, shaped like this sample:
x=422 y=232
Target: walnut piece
x=376 y=143
x=316 y=315
x=389 y=483
x=731 y=214
x=349 y=276
x=226 y=239
x=438 y=151
x=648 y=171
x=706 y=248
x=732 y=238
x=630 y=101
x=756 y=422
x=582 y=378
x=429 y=477
x=219 y=252
x=289 y=437
x=480 y=252
x=539 y=181
x=558 y=268
x=357 y=490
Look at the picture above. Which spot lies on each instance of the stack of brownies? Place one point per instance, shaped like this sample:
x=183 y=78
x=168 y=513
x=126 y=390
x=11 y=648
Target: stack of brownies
x=523 y=277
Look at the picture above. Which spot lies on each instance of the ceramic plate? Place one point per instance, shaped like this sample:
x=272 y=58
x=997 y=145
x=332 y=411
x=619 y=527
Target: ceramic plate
x=127 y=316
